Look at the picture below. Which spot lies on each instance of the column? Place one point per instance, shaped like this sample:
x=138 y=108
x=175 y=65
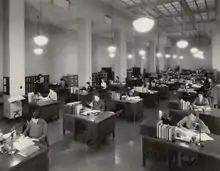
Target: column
x=121 y=55
x=14 y=45
x=84 y=51
x=216 y=51
x=152 y=57
x=1 y=46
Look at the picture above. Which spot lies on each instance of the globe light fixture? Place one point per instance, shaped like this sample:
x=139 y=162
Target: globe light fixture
x=143 y=24
x=111 y=55
x=200 y=52
x=143 y=57
x=41 y=40
x=38 y=51
x=142 y=52
x=182 y=44
x=174 y=56
x=181 y=57
x=112 y=49
x=194 y=50
x=159 y=55
x=130 y=56
x=202 y=57
x=167 y=56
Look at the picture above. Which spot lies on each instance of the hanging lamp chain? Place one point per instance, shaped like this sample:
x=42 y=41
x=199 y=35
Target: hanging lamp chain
x=112 y=29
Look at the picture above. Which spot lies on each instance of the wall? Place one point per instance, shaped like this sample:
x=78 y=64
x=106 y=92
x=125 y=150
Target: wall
x=191 y=62
x=64 y=54
x=35 y=64
x=100 y=56
x=1 y=47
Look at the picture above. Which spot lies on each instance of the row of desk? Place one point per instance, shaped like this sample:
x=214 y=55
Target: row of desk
x=163 y=150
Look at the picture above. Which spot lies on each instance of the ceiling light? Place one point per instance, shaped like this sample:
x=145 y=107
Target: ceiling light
x=111 y=55
x=200 y=52
x=182 y=44
x=143 y=57
x=181 y=57
x=143 y=24
x=130 y=56
x=112 y=49
x=41 y=40
x=142 y=52
x=194 y=50
x=38 y=51
x=174 y=56
x=159 y=55
x=167 y=56
x=202 y=57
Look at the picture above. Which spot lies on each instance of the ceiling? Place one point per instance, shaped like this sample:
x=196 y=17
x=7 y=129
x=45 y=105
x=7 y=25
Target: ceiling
x=195 y=16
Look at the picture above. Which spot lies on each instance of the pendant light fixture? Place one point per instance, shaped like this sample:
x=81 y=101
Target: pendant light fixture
x=40 y=39
x=143 y=24
x=112 y=48
x=174 y=56
x=194 y=50
x=130 y=56
x=38 y=51
x=142 y=52
x=182 y=44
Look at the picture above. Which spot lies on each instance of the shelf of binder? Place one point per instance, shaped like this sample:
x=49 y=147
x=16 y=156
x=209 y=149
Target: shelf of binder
x=165 y=132
x=13 y=106
x=184 y=105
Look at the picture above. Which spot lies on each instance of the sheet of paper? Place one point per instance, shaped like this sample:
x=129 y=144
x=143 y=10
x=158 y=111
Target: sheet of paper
x=204 y=137
x=23 y=143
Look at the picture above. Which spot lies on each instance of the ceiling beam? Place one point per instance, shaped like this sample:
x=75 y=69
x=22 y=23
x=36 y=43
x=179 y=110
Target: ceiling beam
x=193 y=13
x=152 y=4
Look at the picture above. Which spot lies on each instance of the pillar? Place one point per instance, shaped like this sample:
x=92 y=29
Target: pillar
x=84 y=51
x=216 y=50
x=152 y=57
x=14 y=45
x=121 y=55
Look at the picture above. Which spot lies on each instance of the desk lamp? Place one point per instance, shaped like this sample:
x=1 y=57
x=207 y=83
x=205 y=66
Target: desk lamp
x=199 y=143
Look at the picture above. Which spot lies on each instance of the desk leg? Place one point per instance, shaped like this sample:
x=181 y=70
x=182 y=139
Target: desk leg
x=64 y=132
x=113 y=134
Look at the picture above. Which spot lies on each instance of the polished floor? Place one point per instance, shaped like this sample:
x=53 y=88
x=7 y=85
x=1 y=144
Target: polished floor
x=122 y=154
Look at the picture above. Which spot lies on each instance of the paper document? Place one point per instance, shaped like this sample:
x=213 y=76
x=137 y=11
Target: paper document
x=23 y=143
x=204 y=137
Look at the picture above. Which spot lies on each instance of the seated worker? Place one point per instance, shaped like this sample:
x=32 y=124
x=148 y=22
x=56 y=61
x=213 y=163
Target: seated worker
x=97 y=103
x=194 y=123
x=103 y=84
x=117 y=80
x=62 y=83
x=36 y=128
x=132 y=93
x=88 y=87
x=52 y=95
x=200 y=101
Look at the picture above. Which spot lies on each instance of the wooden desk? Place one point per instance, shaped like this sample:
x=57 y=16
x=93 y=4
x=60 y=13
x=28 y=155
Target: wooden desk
x=210 y=118
x=150 y=100
x=38 y=161
x=118 y=87
x=187 y=95
x=49 y=110
x=132 y=110
x=161 y=149
x=163 y=91
x=97 y=128
x=84 y=98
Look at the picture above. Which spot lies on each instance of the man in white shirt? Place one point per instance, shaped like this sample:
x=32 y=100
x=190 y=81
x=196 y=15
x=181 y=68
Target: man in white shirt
x=103 y=84
x=52 y=95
